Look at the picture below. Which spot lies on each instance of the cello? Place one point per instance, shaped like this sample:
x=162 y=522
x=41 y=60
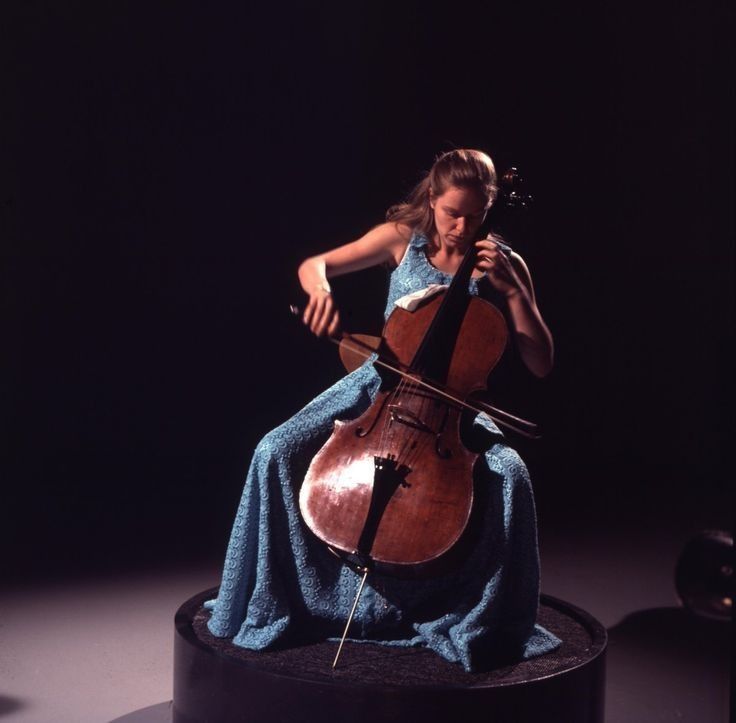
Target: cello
x=392 y=491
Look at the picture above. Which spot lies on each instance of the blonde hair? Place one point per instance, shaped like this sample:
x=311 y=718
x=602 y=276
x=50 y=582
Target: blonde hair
x=462 y=168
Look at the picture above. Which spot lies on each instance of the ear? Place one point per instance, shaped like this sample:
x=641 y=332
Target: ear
x=432 y=198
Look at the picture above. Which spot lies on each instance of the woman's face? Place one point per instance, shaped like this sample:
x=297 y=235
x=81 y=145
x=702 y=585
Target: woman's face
x=458 y=214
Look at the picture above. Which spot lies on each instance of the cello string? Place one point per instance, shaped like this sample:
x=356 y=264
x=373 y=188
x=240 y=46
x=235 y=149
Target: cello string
x=500 y=416
x=407 y=441
x=521 y=426
x=388 y=431
x=412 y=442
x=410 y=439
x=388 y=420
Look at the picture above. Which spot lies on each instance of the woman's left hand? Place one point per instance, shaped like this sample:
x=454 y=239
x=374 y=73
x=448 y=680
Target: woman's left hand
x=497 y=267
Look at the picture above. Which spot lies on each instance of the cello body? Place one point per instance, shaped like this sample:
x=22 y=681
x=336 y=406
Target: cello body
x=393 y=489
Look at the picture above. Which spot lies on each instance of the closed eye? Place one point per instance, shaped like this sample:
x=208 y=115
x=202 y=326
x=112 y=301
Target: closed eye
x=456 y=214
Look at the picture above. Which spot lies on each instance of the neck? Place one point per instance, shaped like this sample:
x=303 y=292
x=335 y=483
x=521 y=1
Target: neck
x=448 y=250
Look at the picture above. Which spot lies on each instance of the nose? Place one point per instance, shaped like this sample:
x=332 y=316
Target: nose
x=461 y=225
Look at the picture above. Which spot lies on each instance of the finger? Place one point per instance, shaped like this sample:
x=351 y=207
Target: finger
x=317 y=316
x=314 y=309
x=309 y=311
x=334 y=324
x=482 y=258
x=312 y=313
x=322 y=320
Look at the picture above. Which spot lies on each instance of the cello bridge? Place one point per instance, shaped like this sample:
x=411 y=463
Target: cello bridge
x=407 y=417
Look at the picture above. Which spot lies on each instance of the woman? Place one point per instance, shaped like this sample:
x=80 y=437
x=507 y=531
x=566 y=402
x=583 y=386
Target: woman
x=279 y=583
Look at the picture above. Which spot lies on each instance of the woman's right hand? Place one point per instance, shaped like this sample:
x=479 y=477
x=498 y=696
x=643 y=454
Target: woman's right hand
x=321 y=314
x=384 y=243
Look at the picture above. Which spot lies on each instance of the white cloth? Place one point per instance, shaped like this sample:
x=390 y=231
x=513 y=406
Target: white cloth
x=412 y=301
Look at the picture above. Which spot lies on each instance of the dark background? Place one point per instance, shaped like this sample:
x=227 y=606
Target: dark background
x=167 y=165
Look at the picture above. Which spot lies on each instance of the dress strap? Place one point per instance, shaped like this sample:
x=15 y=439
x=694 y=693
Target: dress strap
x=418 y=240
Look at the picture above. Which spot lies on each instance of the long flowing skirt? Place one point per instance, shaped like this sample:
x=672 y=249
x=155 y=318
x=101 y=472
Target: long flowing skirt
x=281 y=585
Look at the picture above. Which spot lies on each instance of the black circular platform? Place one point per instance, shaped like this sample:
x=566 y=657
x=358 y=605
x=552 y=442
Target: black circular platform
x=217 y=681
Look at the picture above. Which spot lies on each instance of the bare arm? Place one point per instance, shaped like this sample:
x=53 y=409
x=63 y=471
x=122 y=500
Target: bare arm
x=533 y=337
x=511 y=277
x=386 y=242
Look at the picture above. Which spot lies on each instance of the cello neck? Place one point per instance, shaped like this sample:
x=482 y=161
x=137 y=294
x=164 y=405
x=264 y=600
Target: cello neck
x=432 y=358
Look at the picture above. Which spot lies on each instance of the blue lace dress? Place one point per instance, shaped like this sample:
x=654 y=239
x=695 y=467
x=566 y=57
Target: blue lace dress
x=280 y=585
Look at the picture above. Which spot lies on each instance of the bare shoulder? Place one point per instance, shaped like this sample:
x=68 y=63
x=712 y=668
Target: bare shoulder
x=518 y=262
x=392 y=236
x=522 y=270
x=384 y=243
x=392 y=232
